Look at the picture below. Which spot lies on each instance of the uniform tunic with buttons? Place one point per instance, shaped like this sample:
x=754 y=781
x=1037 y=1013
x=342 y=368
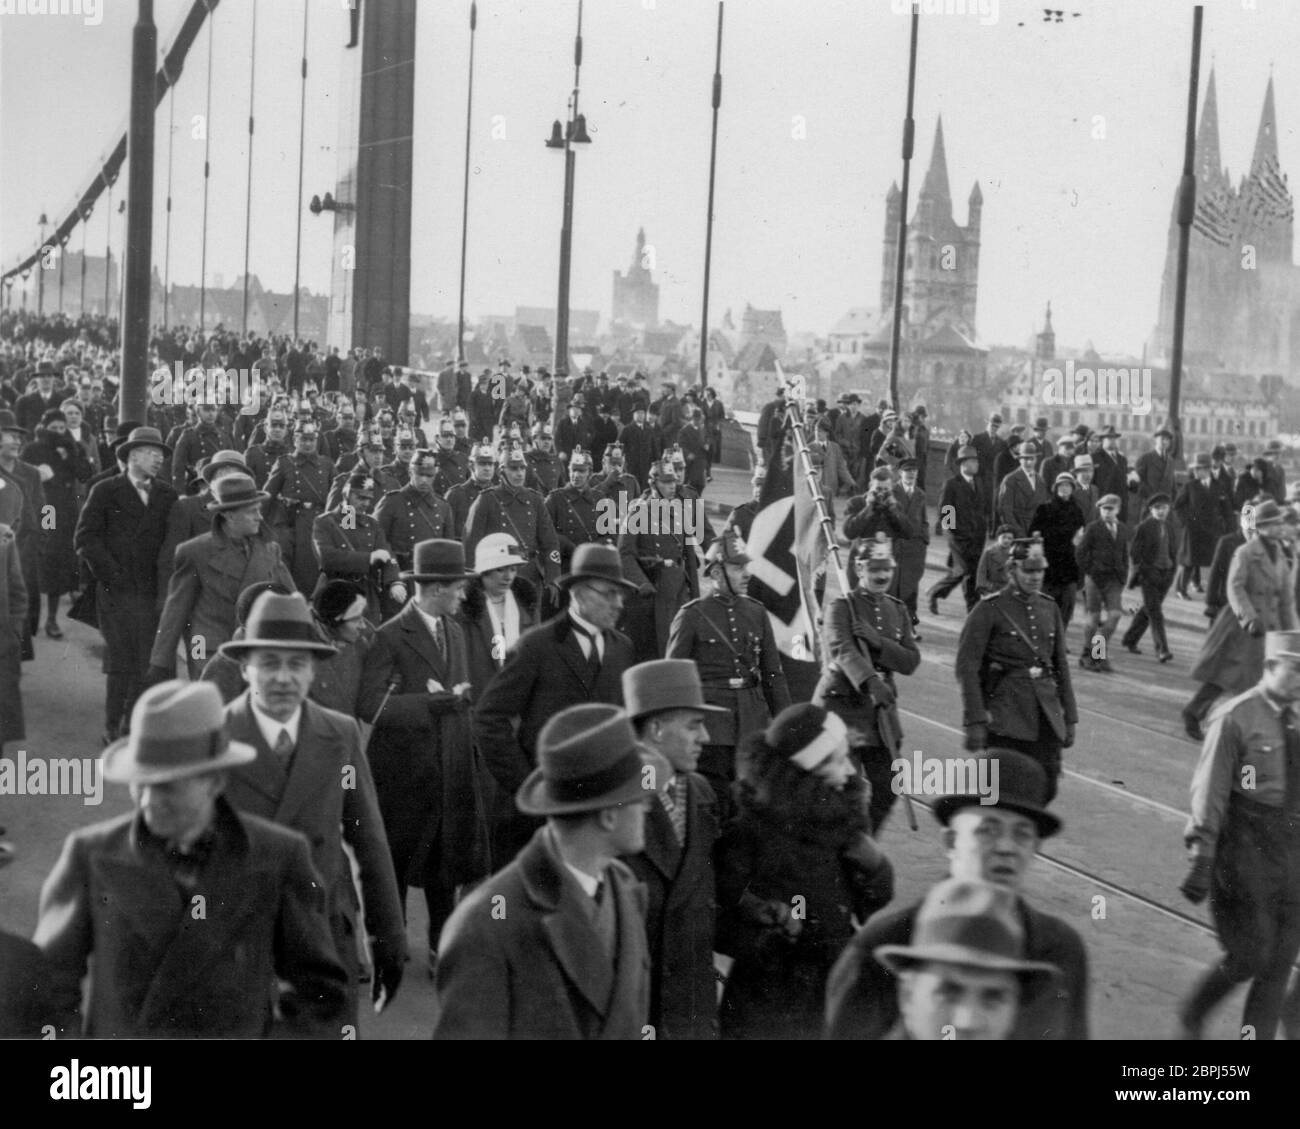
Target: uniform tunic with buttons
x=385 y=483
x=461 y=499
x=521 y=514
x=343 y=541
x=577 y=520
x=408 y=517
x=545 y=472
x=453 y=469
x=261 y=459
x=730 y=640
x=300 y=484
x=617 y=486
x=652 y=553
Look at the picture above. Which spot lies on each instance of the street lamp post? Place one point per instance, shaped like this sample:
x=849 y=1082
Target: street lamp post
x=464 y=216
x=40 y=270
x=573 y=132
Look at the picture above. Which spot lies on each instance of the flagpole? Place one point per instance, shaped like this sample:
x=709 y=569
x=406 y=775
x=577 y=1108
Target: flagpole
x=708 y=230
x=900 y=253
x=1186 y=211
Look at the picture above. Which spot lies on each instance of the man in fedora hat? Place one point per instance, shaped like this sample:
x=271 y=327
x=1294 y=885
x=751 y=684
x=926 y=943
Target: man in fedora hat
x=575 y=657
x=1274 y=474
x=1022 y=491
x=729 y=637
x=190 y=516
x=1112 y=471
x=311 y=774
x=1013 y=669
x=984 y=842
x=1152 y=555
x=666 y=705
x=1103 y=559
x=24 y=979
x=1200 y=514
x=1085 y=492
x=415 y=690
x=201 y=921
x=963 y=513
x=1243 y=842
x=13 y=621
x=209 y=573
x=554 y=945
x=26 y=482
x=1261 y=598
x=119 y=534
x=964 y=976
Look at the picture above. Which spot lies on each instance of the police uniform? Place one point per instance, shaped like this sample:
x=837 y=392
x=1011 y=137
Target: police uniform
x=299 y=486
x=660 y=554
x=617 y=485
x=385 y=483
x=461 y=499
x=343 y=540
x=729 y=638
x=195 y=444
x=1245 y=830
x=868 y=635
x=261 y=459
x=1014 y=675
x=577 y=518
x=453 y=469
x=407 y=517
x=545 y=471
x=522 y=514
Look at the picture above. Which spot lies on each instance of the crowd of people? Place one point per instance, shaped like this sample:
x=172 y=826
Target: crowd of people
x=418 y=652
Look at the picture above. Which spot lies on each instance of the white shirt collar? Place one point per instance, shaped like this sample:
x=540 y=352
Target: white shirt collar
x=271 y=728
x=589 y=884
x=594 y=635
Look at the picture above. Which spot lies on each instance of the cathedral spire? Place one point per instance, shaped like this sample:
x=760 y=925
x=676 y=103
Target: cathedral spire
x=1209 y=163
x=1266 y=138
x=936 y=176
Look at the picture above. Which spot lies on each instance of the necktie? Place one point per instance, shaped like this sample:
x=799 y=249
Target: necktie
x=674 y=800
x=283 y=745
x=593 y=655
x=1292 y=738
x=439 y=640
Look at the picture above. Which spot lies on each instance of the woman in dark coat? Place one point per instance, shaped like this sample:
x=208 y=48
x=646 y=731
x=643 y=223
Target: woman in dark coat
x=1200 y=514
x=1057 y=521
x=795 y=866
x=53 y=447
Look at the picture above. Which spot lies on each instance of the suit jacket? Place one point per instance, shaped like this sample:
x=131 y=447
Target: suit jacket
x=421 y=749
x=1111 y=477
x=1018 y=500
x=1155 y=475
x=862 y=994
x=24 y=988
x=1200 y=510
x=1145 y=550
x=120 y=537
x=188 y=518
x=160 y=971
x=680 y=911
x=329 y=795
x=1216 y=586
x=963 y=514
x=545 y=672
x=1103 y=557
x=210 y=572
x=540 y=970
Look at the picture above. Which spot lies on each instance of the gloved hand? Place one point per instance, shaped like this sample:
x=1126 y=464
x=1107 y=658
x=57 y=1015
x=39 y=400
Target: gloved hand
x=1254 y=628
x=1197 y=883
x=387 y=979
x=397 y=592
x=880 y=692
x=1069 y=736
x=977 y=737
x=380 y=556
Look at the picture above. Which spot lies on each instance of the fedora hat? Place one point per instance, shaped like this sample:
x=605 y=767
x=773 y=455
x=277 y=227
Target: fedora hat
x=497 y=550
x=223 y=459
x=596 y=562
x=1084 y=462
x=143 y=437
x=1267 y=512
x=588 y=758
x=178 y=730
x=1107 y=432
x=1022 y=788
x=281 y=623
x=1277 y=645
x=664 y=684
x=438 y=559
x=970 y=924
x=9 y=422
x=234 y=492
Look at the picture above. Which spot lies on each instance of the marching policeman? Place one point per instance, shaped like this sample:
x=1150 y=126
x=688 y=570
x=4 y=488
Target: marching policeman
x=729 y=638
x=299 y=486
x=415 y=513
x=451 y=464
x=262 y=457
x=371 y=456
x=868 y=639
x=614 y=481
x=545 y=471
x=575 y=511
x=1012 y=668
x=658 y=547
x=403 y=453
x=460 y=428
x=197 y=443
x=512 y=508
x=350 y=545
x=1243 y=838
x=461 y=498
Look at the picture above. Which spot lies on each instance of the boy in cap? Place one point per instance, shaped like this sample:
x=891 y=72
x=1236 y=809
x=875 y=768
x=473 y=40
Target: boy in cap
x=988 y=843
x=1243 y=842
x=1103 y=558
x=554 y=945
x=1152 y=555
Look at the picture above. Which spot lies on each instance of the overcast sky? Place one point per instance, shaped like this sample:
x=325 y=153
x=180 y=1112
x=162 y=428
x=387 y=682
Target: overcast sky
x=1074 y=132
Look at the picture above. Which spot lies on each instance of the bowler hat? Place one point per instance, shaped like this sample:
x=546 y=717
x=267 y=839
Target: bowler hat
x=1022 y=788
x=969 y=924
x=143 y=437
x=1267 y=512
x=9 y=422
x=234 y=492
x=438 y=558
x=178 y=731
x=281 y=623
x=223 y=459
x=664 y=684
x=596 y=562
x=588 y=758
x=1040 y=424
x=1163 y=433
x=1202 y=461
x=1029 y=449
